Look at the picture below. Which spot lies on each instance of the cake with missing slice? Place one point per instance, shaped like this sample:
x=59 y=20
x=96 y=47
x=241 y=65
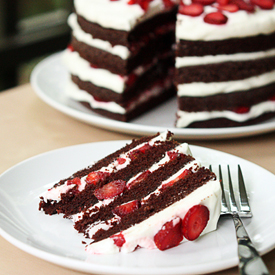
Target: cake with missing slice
x=151 y=193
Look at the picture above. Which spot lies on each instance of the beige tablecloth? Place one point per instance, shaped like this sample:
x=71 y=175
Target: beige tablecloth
x=30 y=127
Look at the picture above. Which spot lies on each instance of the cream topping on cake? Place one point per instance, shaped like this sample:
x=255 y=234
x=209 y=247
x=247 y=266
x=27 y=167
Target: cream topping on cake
x=240 y=24
x=116 y=14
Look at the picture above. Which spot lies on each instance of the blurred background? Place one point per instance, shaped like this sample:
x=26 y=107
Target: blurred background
x=30 y=30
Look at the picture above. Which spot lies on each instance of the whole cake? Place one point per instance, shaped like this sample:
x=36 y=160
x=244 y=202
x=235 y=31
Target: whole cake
x=151 y=194
x=122 y=60
x=225 y=62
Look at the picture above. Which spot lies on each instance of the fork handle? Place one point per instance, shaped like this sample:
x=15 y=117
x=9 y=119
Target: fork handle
x=250 y=262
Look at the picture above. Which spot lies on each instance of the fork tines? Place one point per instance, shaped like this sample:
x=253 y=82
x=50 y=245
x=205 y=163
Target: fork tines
x=228 y=194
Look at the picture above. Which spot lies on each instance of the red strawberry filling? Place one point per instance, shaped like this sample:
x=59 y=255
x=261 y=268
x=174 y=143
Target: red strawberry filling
x=216 y=18
x=179 y=177
x=74 y=181
x=195 y=221
x=139 y=179
x=110 y=190
x=241 y=110
x=96 y=176
x=118 y=239
x=126 y=208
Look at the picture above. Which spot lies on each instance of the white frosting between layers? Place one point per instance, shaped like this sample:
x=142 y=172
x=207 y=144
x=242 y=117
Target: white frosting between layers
x=211 y=59
x=185 y=118
x=240 y=24
x=212 y=88
x=88 y=39
x=142 y=234
x=55 y=193
x=116 y=14
x=81 y=68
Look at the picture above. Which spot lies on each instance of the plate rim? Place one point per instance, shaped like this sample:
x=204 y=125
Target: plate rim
x=91 y=267
x=139 y=129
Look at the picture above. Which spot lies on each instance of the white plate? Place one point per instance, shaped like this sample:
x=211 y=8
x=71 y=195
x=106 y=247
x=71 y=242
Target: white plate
x=49 y=81
x=53 y=238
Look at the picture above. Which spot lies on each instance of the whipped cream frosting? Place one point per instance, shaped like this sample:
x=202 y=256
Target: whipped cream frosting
x=186 y=118
x=240 y=24
x=116 y=14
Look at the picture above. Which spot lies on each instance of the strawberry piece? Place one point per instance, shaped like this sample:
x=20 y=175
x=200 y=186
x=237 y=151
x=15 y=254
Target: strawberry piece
x=195 y=221
x=215 y=18
x=263 y=4
x=96 y=176
x=119 y=239
x=181 y=176
x=228 y=7
x=131 y=78
x=70 y=47
x=241 y=110
x=272 y=98
x=121 y=160
x=134 y=154
x=126 y=208
x=194 y=9
x=222 y=2
x=169 y=235
x=76 y=181
x=168 y=3
x=172 y=155
x=144 y=148
x=110 y=190
x=139 y=179
x=204 y=2
x=244 y=5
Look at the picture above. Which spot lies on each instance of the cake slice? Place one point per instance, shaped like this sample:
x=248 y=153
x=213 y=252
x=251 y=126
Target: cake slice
x=151 y=193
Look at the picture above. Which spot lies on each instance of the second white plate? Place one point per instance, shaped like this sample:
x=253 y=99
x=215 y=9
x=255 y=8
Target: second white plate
x=53 y=238
x=49 y=81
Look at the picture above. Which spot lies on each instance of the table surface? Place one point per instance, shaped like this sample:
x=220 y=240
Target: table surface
x=30 y=127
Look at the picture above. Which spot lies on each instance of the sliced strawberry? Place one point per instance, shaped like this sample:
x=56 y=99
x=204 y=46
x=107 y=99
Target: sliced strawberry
x=131 y=78
x=172 y=155
x=70 y=47
x=110 y=190
x=168 y=3
x=204 y=2
x=119 y=239
x=76 y=181
x=263 y=4
x=244 y=5
x=121 y=160
x=195 y=221
x=169 y=235
x=144 y=148
x=139 y=179
x=216 y=18
x=135 y=153
x=193 y=9
x=223 y=2
x=126 y=208
x=181 y=176
x=228 y=7
x=241 y=110
x=96 y=176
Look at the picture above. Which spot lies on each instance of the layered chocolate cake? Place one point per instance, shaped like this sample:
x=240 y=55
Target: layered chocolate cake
x=225 y=62
x=120 y=58
x=151 y=193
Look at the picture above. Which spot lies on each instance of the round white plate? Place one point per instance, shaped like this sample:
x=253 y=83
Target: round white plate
x=53 y=238
x=49 y=80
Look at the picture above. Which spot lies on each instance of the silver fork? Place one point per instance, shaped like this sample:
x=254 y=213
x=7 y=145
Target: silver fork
x=250 y=262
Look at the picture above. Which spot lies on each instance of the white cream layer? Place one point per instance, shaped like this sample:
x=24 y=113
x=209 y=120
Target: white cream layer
x=55 y=193
x=211 y=59
x=116 y=14
x=240 y=24
x=142 y=234
x=185 y=118
x=88 y=39
x=213 y=88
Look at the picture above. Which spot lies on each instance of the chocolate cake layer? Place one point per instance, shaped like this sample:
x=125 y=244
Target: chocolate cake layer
x=225 y=71
x=144 y=30
x=155 y=204
x=227 y=101
x=155 y=48
x=138 y=191
x=166 y=94
x=144 y=81
x=228 y=46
